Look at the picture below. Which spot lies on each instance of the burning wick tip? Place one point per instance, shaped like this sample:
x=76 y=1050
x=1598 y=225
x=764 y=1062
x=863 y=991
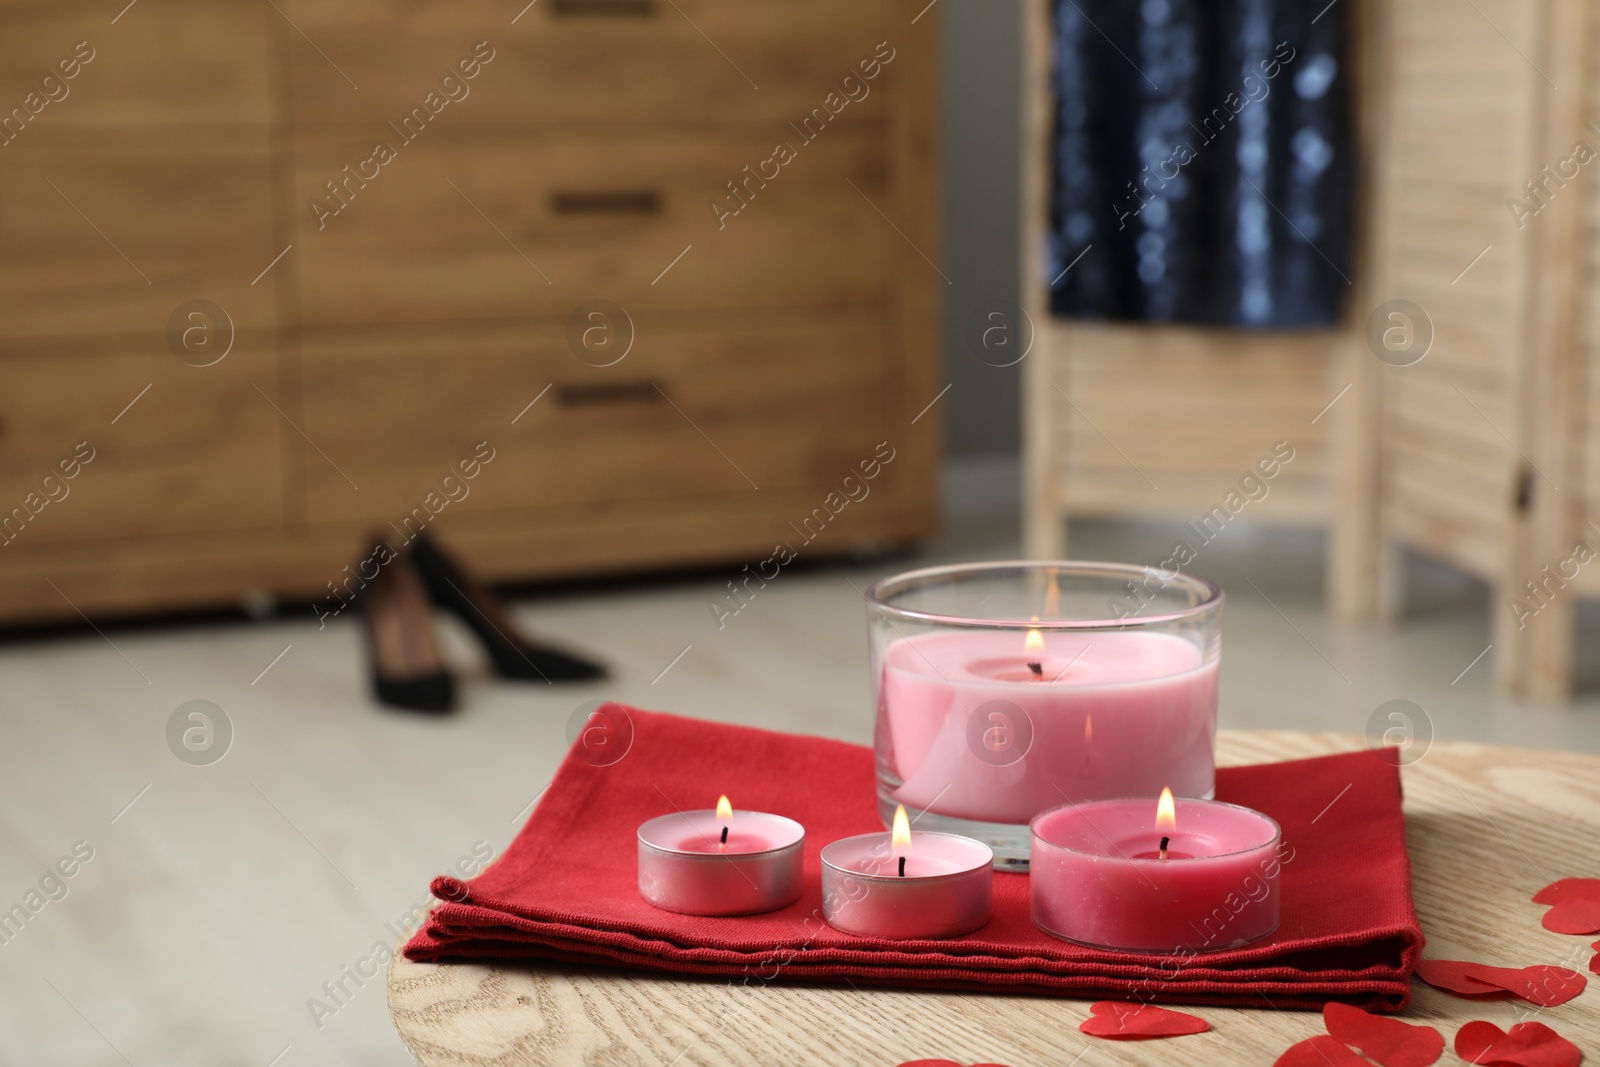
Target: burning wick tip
x=1164 y=841
x=902 y=866
x=725 y=837
x=1037 y=669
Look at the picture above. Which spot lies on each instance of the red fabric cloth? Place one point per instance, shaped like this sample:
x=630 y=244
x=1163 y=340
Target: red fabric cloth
x=566 y=890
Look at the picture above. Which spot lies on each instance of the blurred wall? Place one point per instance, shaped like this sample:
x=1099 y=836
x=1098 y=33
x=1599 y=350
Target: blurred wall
x=982 y=96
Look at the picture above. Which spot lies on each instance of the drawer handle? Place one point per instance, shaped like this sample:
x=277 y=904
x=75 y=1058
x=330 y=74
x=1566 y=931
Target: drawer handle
x=607 y=202
x=573 y=396
x=641 y=9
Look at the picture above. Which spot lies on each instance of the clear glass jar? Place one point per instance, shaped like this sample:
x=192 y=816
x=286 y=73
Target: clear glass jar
x=1005 y=689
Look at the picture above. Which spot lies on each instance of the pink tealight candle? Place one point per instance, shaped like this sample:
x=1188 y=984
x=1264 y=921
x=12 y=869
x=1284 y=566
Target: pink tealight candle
x=720 y=862
x=1168 y=877
x=903 y=885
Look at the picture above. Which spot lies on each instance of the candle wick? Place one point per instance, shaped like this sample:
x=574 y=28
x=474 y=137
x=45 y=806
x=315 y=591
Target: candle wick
x=902 y=866
x=1037 y=669
x=1164 y=841
x=724 y=835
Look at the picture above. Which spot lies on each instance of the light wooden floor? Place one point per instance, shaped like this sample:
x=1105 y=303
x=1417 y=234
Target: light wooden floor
x=225 y=896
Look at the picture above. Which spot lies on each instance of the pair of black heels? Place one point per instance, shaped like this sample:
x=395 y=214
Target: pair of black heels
x=408 y=667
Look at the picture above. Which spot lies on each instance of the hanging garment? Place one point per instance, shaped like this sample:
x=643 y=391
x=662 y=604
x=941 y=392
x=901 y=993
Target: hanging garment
x=1203 y=163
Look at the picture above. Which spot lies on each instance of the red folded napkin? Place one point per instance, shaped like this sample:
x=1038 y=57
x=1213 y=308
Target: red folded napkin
x=566 y=890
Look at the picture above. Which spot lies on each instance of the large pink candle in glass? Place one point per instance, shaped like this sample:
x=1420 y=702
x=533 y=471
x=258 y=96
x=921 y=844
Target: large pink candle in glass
x=1185 y=877
x=1004 y=689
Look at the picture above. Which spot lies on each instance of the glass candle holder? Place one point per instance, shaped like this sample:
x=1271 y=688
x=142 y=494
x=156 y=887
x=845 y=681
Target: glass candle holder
x=1004 y=689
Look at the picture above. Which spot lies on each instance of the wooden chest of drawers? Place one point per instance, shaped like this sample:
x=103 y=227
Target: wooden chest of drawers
x=280 y=266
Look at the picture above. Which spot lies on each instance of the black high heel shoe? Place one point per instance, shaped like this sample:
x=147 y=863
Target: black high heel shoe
x=513 y=654
x=408 y=668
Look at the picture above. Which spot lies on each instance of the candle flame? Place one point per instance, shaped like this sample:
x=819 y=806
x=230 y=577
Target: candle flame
x=900 y=836
x=1034 y=642
x=724 y=810
x=1052 y=597
x=1088 y=729
x=1166 y=811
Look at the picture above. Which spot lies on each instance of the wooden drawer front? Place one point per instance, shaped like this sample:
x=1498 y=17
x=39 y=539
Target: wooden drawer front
x=787 y=408
x=165 y=62
x=589 y=217
x=110 y=240
x=584 y=61
x=198 y=452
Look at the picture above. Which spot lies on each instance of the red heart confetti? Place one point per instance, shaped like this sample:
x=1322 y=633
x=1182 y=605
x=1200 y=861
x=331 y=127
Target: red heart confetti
x=1319 y=1051
x=1524 y=1045
x=1452 y=975
x=1568 y=889
x=1540 y=984
x=1121 y=1021
x=1390 y=1042
x=1575 y=915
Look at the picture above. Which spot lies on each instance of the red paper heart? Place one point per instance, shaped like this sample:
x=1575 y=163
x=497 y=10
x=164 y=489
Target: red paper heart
x=1452 y=975
x=1389 y=1041
x=1319 y=1051
x=1524 y=1045
x=1122 y=1021
x=1540 y=984
x=1568 y=889
x=1575 y=915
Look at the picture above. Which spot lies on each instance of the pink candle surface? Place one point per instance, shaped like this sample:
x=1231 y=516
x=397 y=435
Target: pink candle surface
x=687 y=866
x=1107 y=714
x=1096 y=875
x=946 y=889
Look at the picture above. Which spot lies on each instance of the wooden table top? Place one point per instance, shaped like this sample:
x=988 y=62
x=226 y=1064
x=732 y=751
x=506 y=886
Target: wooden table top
x=1486 y=826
